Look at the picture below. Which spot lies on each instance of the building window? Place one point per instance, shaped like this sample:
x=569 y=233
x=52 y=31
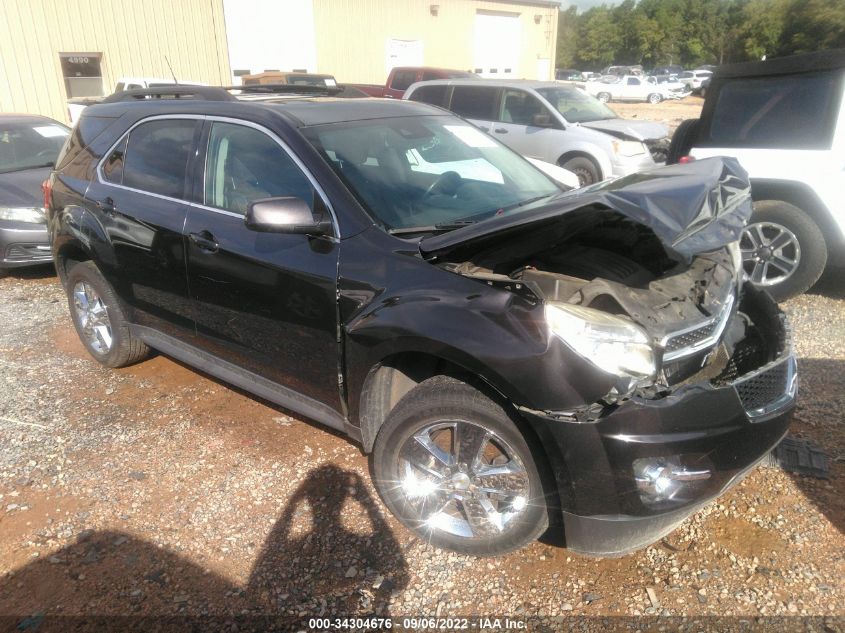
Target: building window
x=82 y=73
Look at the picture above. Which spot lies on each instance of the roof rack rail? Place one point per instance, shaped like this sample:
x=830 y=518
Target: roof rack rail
x=287 y=89
x=176 y=91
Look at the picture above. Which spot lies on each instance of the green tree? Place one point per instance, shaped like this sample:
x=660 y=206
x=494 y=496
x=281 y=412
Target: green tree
x=567 y=38
x=599 y=38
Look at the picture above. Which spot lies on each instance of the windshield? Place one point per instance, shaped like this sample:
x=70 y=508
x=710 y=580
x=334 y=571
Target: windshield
x=34 y=143
x=576 y=106
x=428 y=172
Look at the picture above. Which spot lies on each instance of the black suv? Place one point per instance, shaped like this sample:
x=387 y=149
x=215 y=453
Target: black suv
x=512 y=355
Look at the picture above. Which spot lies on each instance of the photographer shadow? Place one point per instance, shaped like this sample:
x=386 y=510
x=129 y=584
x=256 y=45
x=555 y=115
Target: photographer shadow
x=331 y=553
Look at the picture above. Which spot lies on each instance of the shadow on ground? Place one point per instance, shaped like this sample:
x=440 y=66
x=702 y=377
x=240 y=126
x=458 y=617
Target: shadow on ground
x=309 y=565
x=819 y=419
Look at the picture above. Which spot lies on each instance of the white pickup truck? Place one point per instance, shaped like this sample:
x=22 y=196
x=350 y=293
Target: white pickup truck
x=634 y=88
x=77 y=105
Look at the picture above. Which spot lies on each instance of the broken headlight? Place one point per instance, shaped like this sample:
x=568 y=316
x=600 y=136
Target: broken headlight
x=611 y=343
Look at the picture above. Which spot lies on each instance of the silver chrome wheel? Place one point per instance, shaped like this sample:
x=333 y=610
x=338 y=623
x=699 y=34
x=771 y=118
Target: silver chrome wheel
x=93 y=317
x=770 y=253
x=463 y=479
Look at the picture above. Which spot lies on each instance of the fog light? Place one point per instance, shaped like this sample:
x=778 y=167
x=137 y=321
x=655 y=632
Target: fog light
x=662 y=478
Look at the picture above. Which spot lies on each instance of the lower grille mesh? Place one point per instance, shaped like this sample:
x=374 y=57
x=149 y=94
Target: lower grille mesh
x=761 y=389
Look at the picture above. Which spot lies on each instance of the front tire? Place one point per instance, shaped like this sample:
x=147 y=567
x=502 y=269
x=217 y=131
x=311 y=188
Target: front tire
x=452 y=466
x=783 y=249
x=99 y=320
x=583 y=167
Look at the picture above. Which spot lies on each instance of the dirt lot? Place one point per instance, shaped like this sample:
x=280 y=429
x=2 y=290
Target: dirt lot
x=670 y=113
x=154 y=490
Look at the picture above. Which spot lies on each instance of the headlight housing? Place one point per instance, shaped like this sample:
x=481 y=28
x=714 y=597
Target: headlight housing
x=629 y=148
x=611 y=343
x=31 y=215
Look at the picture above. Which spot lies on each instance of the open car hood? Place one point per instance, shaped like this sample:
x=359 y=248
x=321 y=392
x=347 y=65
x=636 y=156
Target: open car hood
x=692 y=208
x=639 y=130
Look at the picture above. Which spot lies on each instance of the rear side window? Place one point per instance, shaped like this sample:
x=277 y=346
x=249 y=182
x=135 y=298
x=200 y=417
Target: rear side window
x=113 y=165
x=475 y=102
x=789 y=112
x=403 y=78
x=244 y=164
x=435 y=95
x=156 y=157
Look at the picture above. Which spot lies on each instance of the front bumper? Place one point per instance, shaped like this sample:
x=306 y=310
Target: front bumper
x=624 y=166
x=721 y=427
x=23 y=244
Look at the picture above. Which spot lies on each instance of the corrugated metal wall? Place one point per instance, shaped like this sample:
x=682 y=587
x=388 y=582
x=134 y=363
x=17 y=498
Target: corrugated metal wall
x=352 y=34
x=134 y=36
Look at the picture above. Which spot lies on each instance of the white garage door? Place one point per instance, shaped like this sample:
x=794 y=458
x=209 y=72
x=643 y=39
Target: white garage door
x=496 y=43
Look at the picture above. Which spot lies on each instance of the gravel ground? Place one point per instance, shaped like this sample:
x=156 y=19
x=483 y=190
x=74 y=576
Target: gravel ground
x=154 y=490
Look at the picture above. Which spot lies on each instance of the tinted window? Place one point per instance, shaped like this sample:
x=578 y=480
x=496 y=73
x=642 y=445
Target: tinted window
x=520 y=107
x=245 y=164
x=157 y=156
x=633 y=81
x=403 y=79
x=429 y=75
x=113 y=165
x=475 y=102
x=788 y=112
x=435 y=95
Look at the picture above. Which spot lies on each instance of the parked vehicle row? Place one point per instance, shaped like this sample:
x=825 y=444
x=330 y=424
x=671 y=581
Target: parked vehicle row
x=513 y=356
x=401 y=78
x=635 y=88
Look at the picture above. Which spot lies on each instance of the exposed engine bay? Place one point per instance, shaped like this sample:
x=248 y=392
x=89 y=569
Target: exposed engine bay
x=702 y=325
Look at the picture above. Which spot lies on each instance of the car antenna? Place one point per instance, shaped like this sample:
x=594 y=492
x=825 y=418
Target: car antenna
x=176 y=81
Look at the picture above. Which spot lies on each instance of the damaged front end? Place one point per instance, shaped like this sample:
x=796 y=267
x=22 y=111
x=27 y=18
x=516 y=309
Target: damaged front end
x=640 y=282
x=642 y=277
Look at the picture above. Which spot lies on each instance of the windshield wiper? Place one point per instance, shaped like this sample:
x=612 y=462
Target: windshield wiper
x=440 y=226
x=525 y=202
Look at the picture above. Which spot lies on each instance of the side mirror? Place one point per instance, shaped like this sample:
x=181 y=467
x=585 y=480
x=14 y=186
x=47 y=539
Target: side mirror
x=285 y=215
x=541 y=119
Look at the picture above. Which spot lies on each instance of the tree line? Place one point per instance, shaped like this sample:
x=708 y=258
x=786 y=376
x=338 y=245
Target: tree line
x=694 y=32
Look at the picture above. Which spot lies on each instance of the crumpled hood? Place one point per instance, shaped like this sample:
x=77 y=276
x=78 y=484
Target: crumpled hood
x=639 y=130
x=693 y=208
x=23 y=188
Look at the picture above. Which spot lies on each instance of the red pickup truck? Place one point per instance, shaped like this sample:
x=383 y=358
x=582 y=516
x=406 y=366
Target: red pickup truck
x=403 y=76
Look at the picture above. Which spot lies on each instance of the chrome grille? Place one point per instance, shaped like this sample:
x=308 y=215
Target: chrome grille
x=693 y=337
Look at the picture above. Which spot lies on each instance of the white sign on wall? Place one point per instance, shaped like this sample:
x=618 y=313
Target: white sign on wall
x=403 y=53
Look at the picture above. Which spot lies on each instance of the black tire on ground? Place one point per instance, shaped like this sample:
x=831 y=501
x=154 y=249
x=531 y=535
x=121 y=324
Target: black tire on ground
x=4 y=272
x=586 y=170
x=125 y=349
x=444 y=398
x=813 y=259
x=654 y=98
x=682 y=140
x=604 y=97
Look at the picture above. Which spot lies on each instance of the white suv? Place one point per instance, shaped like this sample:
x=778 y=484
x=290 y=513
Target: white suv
x=693 y=79
x=784 y=119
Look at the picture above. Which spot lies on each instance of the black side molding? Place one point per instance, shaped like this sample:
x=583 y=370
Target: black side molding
x=246 y=380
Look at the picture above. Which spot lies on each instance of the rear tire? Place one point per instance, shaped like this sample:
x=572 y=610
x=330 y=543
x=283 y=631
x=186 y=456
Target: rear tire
x=777 y=234
x=583 y=167
x=439 y=456
x=682 y=140
x=654 y=98
x=604 y=97
x=99 y=319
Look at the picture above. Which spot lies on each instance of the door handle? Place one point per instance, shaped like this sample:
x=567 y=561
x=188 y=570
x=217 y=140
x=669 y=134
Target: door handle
x=500 y=130
x=106 y=205
x=204 y=241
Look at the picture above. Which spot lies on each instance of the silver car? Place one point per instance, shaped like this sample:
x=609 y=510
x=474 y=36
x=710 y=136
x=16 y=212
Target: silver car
x=552 y=122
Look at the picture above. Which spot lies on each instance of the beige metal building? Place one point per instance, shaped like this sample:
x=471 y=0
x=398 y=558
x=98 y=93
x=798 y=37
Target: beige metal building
x=54 y=49
x=359 y=41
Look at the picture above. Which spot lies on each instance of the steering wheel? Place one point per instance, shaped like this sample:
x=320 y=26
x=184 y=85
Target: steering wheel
x=447 y=183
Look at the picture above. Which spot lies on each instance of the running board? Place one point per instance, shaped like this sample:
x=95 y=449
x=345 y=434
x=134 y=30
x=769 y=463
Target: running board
x=246 y=380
